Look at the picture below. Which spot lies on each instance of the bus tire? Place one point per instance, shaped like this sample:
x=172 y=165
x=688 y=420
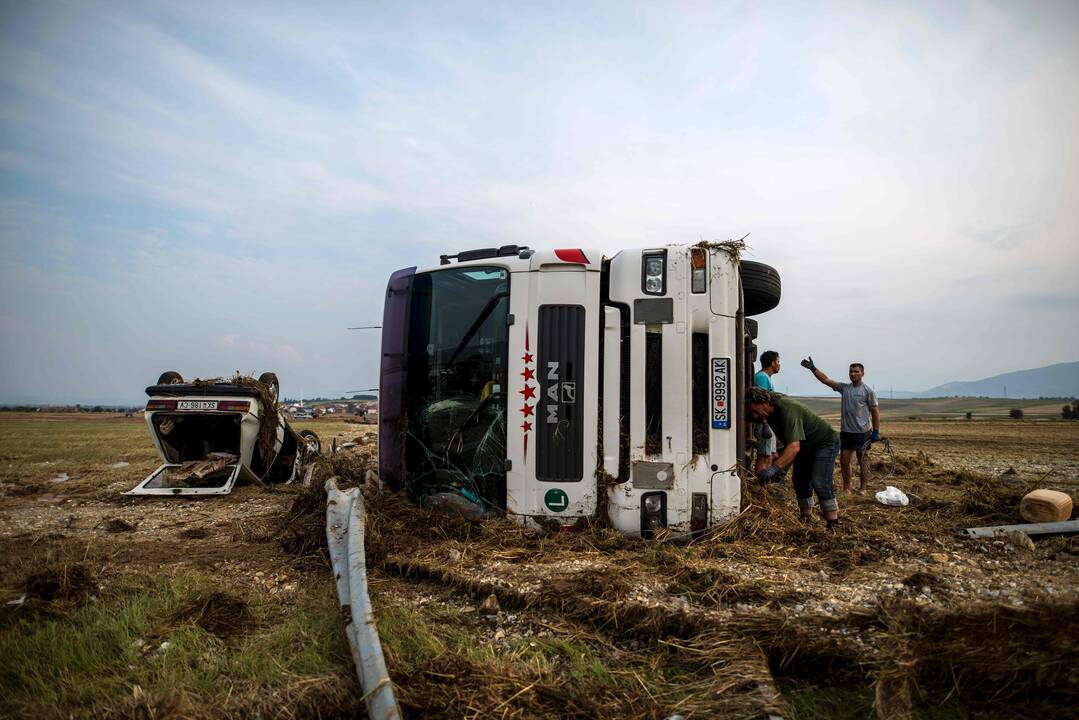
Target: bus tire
x=761 y=287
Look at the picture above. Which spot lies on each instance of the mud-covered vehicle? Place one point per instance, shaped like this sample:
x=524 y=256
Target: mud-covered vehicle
x=558 y=385
x=211 y=434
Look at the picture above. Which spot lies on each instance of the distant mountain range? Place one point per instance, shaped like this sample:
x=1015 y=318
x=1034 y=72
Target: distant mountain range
x=1059 y=380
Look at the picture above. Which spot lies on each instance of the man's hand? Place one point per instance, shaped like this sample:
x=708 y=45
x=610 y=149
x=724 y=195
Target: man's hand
x=874 y=436
x=771 y=474
x=808 y=364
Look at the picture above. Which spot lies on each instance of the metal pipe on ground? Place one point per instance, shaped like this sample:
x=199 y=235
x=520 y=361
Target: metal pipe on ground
x=345 y=516
x=1046 y=528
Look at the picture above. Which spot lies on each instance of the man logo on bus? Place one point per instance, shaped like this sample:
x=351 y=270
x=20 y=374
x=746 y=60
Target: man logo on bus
x=558 y=392
x=552 y=392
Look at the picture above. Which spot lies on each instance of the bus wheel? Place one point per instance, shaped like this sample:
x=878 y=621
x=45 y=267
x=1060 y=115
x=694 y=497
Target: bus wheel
x=760 y=287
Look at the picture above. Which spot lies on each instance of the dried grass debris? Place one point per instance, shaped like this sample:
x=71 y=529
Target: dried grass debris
x=733 y=248
x=747 y=599
x=303 y=529
x=990 y=652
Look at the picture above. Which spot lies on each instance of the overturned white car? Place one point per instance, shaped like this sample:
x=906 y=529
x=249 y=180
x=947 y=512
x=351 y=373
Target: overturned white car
x=212 y=433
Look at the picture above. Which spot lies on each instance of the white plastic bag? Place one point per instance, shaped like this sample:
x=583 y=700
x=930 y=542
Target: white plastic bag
x=892 y=495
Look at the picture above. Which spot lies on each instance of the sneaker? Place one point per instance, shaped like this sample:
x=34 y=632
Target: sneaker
x=833 y=525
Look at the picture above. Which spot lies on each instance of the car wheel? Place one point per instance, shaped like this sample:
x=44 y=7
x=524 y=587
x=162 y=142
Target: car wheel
x=269 y=379
x=760 y=287
x=311 y=440
x=170 y=377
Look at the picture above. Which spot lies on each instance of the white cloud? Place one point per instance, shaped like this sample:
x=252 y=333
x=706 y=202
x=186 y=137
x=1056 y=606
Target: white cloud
x=911 y=170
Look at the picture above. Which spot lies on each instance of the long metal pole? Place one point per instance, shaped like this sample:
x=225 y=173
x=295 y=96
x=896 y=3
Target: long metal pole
x=345 y=516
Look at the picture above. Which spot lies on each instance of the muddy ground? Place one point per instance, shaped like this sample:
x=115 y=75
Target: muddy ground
x=898 y=613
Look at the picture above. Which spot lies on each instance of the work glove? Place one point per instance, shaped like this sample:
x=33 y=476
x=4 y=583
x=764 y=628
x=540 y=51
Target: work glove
x=771 y=474
x=874 y=436
x=808 y=364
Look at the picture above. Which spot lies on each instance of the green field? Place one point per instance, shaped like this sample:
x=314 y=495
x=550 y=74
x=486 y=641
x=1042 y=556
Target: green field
x=948 y=408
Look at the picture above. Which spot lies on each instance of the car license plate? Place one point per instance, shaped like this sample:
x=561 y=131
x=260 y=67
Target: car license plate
x=721 y=393
x=196 y=405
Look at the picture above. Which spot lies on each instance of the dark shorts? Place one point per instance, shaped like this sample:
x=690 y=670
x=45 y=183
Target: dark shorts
x=853 y=441
x=813 y=476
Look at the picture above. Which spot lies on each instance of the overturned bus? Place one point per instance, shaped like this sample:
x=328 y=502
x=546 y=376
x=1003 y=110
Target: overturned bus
x=558 y=385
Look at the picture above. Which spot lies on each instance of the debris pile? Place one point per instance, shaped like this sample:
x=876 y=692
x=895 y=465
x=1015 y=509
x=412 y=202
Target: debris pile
x=897 y=596
x=303 y=529
x=213 y=463
x=899 y=599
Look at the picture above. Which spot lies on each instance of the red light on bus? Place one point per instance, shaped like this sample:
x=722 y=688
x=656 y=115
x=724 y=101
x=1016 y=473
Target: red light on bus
x=571 y=256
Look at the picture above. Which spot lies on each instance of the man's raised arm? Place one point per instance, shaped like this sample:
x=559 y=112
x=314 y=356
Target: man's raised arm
x=808 y=364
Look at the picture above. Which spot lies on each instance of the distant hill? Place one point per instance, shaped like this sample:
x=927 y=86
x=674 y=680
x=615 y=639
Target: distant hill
x=1060 y=380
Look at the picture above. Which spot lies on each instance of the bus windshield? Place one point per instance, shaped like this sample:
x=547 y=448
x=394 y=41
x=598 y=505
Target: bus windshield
x=454 y=402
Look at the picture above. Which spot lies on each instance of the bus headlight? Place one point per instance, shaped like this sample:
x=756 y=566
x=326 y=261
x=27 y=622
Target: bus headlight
x=698 y=278
x=654 y=273
x=698 y=512
x=653 y=513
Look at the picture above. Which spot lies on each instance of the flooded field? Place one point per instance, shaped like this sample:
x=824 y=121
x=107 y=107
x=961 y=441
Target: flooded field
x=224 y=607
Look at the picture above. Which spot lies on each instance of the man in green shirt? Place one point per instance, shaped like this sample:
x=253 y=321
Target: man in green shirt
x=810 y=446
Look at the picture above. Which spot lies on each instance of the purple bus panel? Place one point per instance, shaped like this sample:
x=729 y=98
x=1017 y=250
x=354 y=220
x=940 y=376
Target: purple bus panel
x=391 y=396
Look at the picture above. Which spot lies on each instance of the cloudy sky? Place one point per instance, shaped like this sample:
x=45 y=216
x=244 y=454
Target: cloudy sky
x=219 y=187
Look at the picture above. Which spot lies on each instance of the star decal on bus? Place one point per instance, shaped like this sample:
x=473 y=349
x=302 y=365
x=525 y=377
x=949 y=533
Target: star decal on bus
x=529 y=393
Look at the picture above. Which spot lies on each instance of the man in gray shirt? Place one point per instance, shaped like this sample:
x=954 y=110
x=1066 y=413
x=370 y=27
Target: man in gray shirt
x=860 y=425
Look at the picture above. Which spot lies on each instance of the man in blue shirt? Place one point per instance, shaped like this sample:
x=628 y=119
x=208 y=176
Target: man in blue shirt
x=769 y=367
x=766 y=439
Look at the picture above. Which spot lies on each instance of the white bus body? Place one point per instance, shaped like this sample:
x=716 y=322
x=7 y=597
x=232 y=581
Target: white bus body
x=559 y=385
